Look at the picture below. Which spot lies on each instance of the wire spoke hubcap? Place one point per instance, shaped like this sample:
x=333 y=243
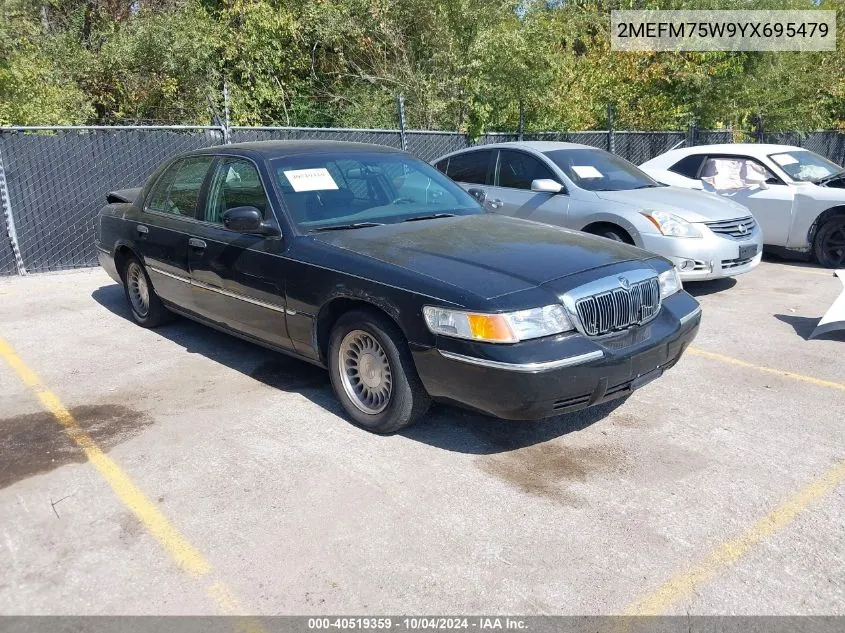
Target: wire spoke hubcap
x=139 y=291
x=365 y=372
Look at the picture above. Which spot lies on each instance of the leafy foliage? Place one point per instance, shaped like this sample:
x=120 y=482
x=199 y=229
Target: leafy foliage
x=460 y=64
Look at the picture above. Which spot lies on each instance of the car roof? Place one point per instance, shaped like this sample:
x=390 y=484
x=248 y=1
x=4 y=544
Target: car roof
x=751 y=149
x=536 y=146
x=278 y=149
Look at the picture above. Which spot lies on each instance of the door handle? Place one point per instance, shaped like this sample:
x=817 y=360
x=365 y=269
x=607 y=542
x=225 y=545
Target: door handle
x=142 y=230
x=196 y=243
x=495 y=203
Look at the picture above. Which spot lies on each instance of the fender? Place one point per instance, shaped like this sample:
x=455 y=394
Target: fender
x=821 y=219
x=614 y=218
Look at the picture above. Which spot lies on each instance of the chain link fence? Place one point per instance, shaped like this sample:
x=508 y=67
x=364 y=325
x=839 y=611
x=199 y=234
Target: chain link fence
x=57 y=181
x=53 y=181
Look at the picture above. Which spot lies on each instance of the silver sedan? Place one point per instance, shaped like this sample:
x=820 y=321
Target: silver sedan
x=588 y=189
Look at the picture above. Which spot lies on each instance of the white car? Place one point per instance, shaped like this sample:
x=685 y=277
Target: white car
x=797 y=196
x=587 y=189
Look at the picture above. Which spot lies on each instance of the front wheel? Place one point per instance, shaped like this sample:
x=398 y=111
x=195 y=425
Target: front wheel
x=612 y=233
x=829 y=245
x=373 y=374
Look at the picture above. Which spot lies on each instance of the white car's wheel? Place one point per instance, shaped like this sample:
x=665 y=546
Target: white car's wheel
x=829 y=245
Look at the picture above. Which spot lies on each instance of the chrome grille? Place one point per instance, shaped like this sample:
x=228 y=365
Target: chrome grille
x=620 y=308
x=737 y=229
x=735 y=263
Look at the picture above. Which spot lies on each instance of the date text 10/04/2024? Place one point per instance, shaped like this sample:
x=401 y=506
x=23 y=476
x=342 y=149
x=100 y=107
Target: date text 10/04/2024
x=417 y=623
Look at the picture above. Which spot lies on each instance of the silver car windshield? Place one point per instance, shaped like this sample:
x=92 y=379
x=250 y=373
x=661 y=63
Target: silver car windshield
x=597 y=170
x=805 y=166
x=346 y=190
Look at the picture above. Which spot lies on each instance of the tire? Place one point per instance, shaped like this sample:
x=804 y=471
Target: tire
x=393 y=398
x=829 y=243
x=145 y=305
x=613 y=234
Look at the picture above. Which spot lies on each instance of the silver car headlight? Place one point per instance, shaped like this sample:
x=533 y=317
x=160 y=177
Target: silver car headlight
x=670 y=224
x=670 y=282
x=505 y=327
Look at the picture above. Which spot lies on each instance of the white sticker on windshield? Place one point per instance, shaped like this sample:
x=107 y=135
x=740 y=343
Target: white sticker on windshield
x=316 y=179
x=586 y=171
x=784 y=159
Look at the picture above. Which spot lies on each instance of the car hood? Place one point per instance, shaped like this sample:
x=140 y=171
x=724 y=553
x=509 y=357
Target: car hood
x=692 y=206
x=487 y=255
x=820 y=192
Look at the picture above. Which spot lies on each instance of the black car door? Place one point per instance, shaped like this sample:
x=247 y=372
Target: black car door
x=236 y=279
x=162 y=233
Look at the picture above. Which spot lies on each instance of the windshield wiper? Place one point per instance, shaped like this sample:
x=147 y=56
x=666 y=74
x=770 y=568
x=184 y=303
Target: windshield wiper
x=829 y=177
x=649 y=186
x=430 y=217
x=343 y=227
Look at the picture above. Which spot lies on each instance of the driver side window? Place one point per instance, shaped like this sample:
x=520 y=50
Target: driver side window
x=735 y=172
x=517 y=170
x=235 y=183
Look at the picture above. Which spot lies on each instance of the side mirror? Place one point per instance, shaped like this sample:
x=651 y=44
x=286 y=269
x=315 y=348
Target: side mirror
x=248 y=220
x=478 y=194
x=546 y=185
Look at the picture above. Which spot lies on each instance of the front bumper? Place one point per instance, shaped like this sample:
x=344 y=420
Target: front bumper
x=714 y=256
x=542 y=378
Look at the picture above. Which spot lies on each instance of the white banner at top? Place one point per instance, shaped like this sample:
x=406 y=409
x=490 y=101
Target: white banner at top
x=733 y=30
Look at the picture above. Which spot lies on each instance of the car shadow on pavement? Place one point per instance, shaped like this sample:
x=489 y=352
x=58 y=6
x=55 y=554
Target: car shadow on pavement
x=804 y=326
x=787 y=258
x=462 y=431
x=446 y=427
x=271 y=368
x=702 y=288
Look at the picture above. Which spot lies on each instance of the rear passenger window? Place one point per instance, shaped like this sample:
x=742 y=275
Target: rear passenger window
x=178 y=190
x=471 y=167
x=517 y=170
x=442 y=165
x=688 y=166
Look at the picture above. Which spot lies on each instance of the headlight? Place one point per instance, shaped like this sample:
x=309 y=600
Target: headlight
x=670 y=282
x=671 y=225
x=506 y=327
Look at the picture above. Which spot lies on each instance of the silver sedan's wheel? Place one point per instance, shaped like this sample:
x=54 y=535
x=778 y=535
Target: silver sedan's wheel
x=138 y=289
x=365 y=372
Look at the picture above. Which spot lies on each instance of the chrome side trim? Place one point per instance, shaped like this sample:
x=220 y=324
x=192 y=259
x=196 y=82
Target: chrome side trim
x=103 y=250
x=235 y=295
x=210 y=288
x=691 y=315
x=530 y=368
x=167 y=274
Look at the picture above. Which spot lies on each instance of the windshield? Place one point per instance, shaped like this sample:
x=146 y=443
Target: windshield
x=597 y=170
x=357 y=189
x=805 y=166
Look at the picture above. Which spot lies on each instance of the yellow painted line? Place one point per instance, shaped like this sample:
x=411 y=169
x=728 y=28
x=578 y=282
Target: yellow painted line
x=769 y=370
x=720 y=559
x=184 y=554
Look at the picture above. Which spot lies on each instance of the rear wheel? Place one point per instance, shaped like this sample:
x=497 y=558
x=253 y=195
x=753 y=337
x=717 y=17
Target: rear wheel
x=829 y=244
x=147 y=309
x=373 y=374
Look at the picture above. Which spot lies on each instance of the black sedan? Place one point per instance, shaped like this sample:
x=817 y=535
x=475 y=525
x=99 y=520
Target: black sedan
x=371 y=263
